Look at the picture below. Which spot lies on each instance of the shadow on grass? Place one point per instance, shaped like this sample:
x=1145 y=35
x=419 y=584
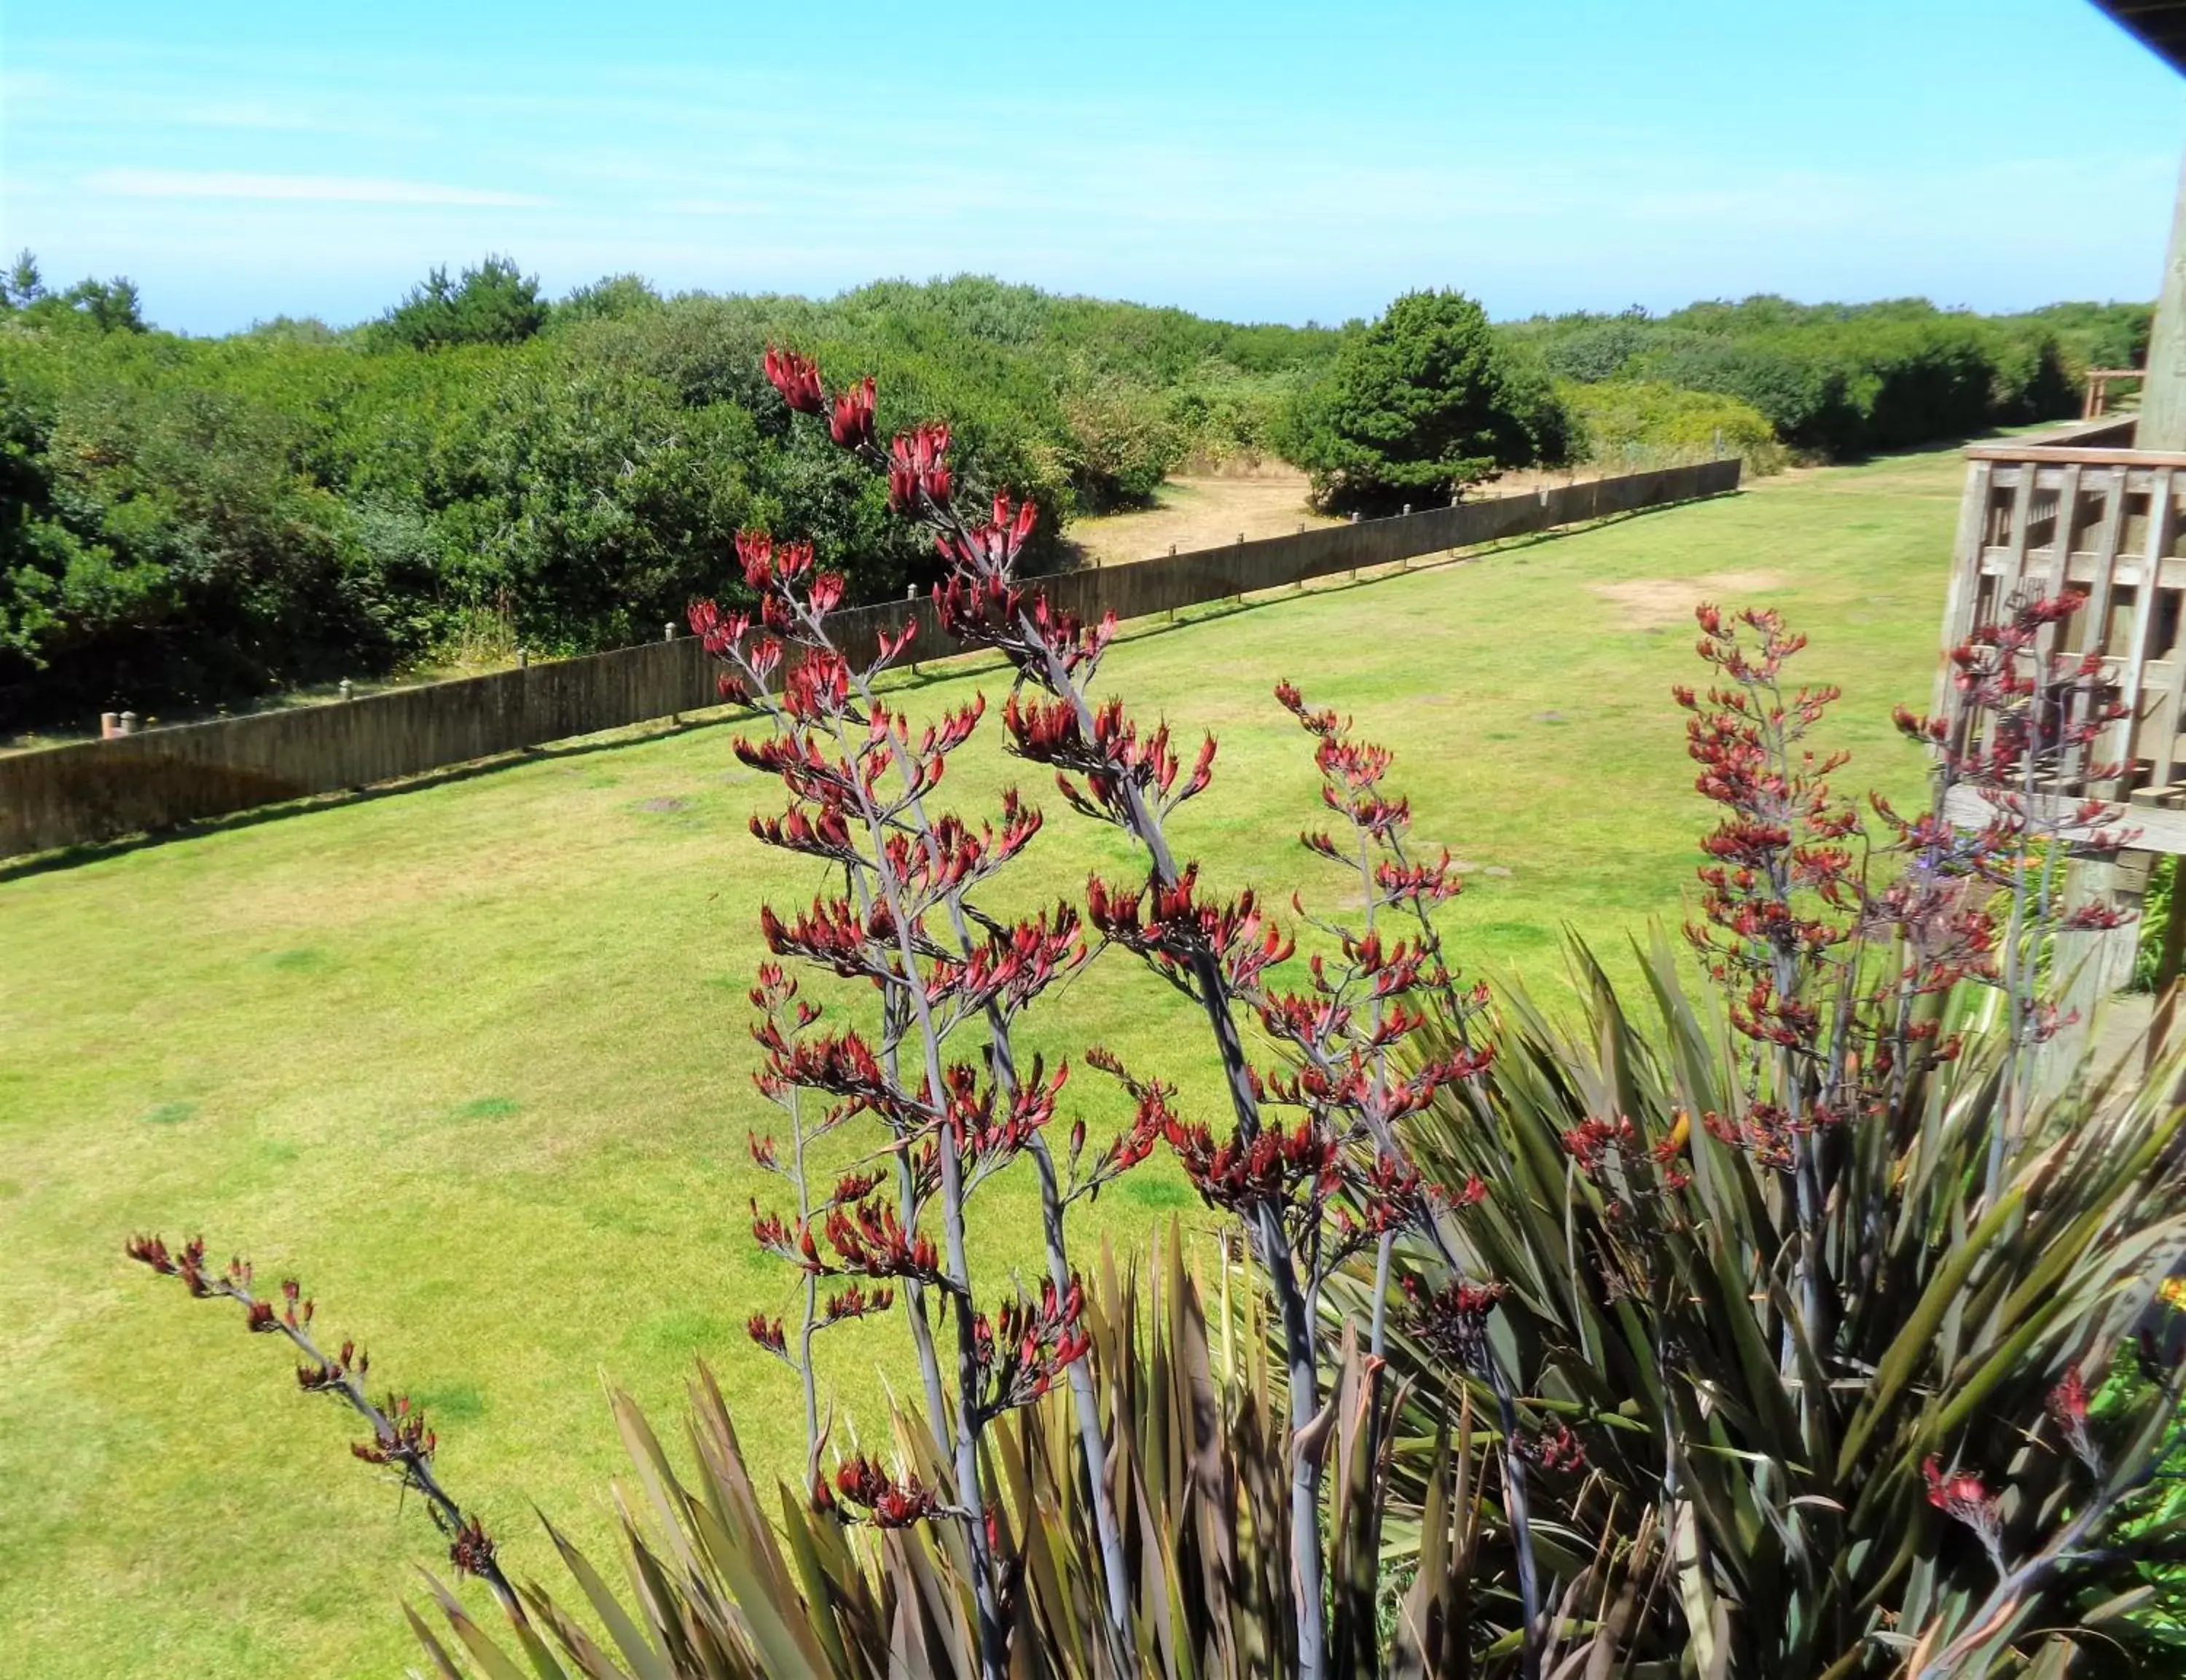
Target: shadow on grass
x=918 y=675
x=68 y=857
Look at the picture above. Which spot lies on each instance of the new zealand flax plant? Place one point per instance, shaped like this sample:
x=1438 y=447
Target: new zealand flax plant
x=1839 y=1311
x=1777 y=1327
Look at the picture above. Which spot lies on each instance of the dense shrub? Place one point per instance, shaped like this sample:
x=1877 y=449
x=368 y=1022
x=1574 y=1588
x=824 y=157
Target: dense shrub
x=1420 y=405
x=1635 y=424
x=1838 y=380
x=411 y=463
x=569 y=473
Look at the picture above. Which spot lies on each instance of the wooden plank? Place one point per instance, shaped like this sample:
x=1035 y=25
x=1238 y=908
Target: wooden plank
x=1968 y=558
x=2014 y=573
x=2035 y=456
x=2157 y=829
x=2100 y=573
x=2060 y=533
x=2143 y=615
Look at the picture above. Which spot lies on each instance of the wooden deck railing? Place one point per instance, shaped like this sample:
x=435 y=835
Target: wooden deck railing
x=2082 y=511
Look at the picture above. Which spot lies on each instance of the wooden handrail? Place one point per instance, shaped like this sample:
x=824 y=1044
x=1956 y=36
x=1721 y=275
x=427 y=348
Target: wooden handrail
x=2046 y=455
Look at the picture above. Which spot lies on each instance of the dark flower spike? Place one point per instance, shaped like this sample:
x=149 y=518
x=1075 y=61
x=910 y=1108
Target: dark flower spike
x=401 y=1439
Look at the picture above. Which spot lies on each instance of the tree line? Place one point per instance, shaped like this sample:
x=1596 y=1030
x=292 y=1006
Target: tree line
x=193 y=522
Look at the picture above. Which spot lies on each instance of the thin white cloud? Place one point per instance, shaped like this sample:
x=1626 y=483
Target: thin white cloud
x=322 y=189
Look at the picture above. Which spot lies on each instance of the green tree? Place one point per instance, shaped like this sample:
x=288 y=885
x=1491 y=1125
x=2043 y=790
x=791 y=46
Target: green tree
x=496 y=303
x=613 y=297
x=1419 y=405
x=106 y=305
x=23 y=285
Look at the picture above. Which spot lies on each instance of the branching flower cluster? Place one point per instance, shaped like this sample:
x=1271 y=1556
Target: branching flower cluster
x=1310 y=1195
x=903 y=916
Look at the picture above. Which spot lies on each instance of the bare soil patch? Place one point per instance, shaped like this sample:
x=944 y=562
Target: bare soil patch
x=1206 y=510
x=1655 y=603
x=1200 y=512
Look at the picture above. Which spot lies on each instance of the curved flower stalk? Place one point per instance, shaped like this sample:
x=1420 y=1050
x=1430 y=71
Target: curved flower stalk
x=1780 y=899
x=401 y=1439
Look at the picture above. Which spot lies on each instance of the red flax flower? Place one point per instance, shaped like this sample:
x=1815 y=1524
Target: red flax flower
x=400 y=1436
x=889 y=1502
x=871 y=1241
x=851 y=423
x=1172 y=925
x=1962 y=1496
x=1031 y=1342
x=1452 y=1321
x=1274 y=1170
x=2068 y=1404
x=1554 y=1448
x=797 y=379
x=717 y=630
x=918 y=467
x=1594 y=1140
x=856 y=1302
x=994 y=546
x=471 y=1551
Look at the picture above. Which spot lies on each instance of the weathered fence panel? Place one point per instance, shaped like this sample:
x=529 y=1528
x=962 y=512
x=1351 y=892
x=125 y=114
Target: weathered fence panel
x=99 y=790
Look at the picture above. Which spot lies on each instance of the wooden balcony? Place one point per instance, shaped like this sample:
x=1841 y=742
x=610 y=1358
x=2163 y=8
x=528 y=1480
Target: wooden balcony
x=2083 y=511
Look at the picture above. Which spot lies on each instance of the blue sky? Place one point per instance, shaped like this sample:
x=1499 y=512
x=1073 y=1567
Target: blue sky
x=1271 y=161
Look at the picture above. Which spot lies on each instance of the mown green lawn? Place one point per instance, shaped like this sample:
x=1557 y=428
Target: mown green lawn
x=471 y=1059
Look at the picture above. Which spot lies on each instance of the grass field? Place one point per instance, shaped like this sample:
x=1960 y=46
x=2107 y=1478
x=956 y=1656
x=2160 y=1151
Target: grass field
x=471 y=1058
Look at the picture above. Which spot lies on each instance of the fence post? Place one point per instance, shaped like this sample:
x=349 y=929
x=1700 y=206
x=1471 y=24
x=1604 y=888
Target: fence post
x=346 y=693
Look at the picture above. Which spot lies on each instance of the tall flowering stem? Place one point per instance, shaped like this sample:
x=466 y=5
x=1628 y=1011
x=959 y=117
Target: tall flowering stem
x=1310 y=1197
x=1110 y=767
x=399 y=1438
x=2023 y=740
x=859 y=774
x=785 y=1033
x=1348 y=1032
x=1780 y=897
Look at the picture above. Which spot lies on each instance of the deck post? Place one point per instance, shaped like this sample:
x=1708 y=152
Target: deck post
x=2163 y=394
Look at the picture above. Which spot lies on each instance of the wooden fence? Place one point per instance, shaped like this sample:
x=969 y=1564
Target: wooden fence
x=101 y=790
